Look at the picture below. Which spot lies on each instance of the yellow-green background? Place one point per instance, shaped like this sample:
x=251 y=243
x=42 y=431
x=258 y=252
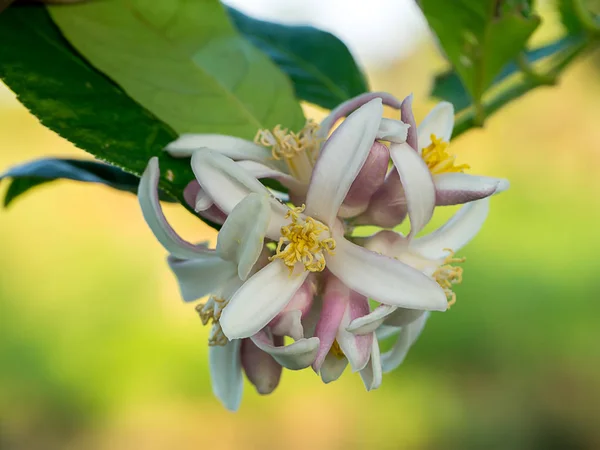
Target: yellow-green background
x=98 y=352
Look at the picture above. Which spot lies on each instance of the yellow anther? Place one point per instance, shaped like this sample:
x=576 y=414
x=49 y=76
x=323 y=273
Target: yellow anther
x=336 y=350
x=301 y=241
x=438 y=159
x=448 y=275
x=210 y=312
x=287 y=144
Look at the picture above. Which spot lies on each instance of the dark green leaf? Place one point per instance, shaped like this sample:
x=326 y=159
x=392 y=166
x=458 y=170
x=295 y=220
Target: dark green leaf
x=320 y=66
x=34 y=173
x=480 y=36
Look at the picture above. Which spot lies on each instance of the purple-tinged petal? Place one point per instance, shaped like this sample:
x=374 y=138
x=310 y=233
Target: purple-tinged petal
x=352 y=105
x=369 y=323
x=259 y=300
x=454 y=234
x=333 y=367
x=242 y=236
x=406 y=115
x=369 y=179
x=408 y=335
x=298 y=355
x=439 y=121
x=201 y=276
x=387 y=242
x=335 y=300
x=340 y=161
x=417 y=183
x=384 y=279
x=213 y=214
x=357 y=348
x=226 y=373
x=260 y=367
x=457 y=188
x=387 y=207
x=372 y=374
x=197 y=199
x=152 y=211
x=289 y=321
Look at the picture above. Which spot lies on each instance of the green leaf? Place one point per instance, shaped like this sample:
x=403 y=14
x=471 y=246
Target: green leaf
x=448 y=86
x=569 y=17
x=34 y=173
x=70 y=97
x=320 y=66
x=184 y=62
x=480 y=36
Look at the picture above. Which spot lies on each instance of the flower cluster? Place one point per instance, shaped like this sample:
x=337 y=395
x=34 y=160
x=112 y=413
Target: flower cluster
x=289 y=265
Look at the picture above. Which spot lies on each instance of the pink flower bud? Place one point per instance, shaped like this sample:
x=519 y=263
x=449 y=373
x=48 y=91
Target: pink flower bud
x=260 y=367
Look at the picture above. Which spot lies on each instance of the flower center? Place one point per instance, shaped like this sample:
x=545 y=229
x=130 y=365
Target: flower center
x=301 y=241
x=211 y=312
x=336 y=350
x=438 y=159
x=448 y=275
x=298 y=150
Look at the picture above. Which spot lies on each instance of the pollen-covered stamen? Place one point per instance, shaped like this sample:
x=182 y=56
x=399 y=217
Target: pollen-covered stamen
x=336 y=350
x=304 y=240
x=448 y=275
x=210 y=312
x=298 y=150
x=438 y=159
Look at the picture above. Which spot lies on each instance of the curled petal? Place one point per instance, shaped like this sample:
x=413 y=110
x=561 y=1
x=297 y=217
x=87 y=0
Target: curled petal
x=459 y=188
x=332 y=368
x=369 y=323
x=298 y=355
x=406 y=115
x=392 y=131
x=439 y=121
x=260 y=367
x=385 y=332
x=408 y=335
x=196 y=198
x=372 y=374
x=152 y=211
x=259 y=300
x=201 y=276
x=417 y=183
x=384 y=279
x=261 y=171
x=454 y=234
x=340 y=161
x=369 y=179
x=357 y=348
x=352 y=105
x=387 y=207
x=289 y=321
x=242 y=236
x=402 y=316
x=226 y=373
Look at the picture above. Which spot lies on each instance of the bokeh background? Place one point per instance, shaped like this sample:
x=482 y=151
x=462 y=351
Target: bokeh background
x=98 y=352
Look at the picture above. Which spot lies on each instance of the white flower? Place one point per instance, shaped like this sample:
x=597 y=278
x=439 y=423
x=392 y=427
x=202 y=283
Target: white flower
x=312 y=238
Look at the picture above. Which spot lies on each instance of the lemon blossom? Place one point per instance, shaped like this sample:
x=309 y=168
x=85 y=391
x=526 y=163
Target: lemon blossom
x=310 y=238
x=453 y=186
x=290 y=157
x=201 y=271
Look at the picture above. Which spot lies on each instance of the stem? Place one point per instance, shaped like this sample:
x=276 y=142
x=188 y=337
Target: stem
x=529 y=71
x=586 y=18
x=532 y=80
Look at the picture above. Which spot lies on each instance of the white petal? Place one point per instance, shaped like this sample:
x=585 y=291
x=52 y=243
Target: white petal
x=456 y=188
x=332 y=368
x=372 y=374
x=455 y=233
x=417 y=183
x=392 y=130
x=340 y=161
x=152 y=211
x=384 y=279
x=233 y=147
x=356 y=348
x=228 y=183
x=260 y=171
x=242 y=236
x=384 y=332
x=226 y=373
x=439 y=121
x=201 y=276
x=370 y=322
x=409 y=334
x=259 y=300
x=298 y=355
x=402 y=317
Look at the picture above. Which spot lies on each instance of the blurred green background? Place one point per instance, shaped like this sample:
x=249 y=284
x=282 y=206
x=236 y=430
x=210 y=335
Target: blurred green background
x=98 y=352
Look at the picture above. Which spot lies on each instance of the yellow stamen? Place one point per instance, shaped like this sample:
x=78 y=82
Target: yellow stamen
x=336 y=350
x=448 y=275
x=287 y=144
x=438 y=159
x=300 y=241
x=211 y=312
